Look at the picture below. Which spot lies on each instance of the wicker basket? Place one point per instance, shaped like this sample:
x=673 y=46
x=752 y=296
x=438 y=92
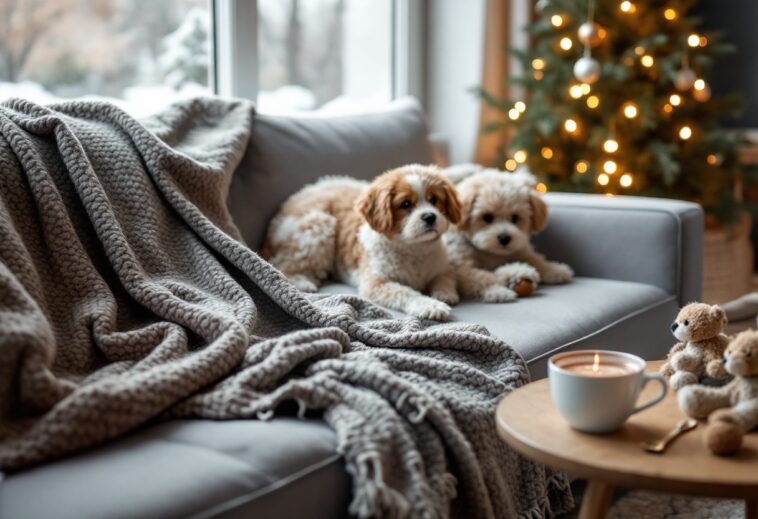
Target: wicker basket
x=728 y=262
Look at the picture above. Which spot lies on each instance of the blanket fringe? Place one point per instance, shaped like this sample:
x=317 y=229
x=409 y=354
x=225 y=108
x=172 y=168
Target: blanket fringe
x=373 y=498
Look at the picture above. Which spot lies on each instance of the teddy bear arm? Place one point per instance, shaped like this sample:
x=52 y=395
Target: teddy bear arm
x=700 y=401
x=685 y=361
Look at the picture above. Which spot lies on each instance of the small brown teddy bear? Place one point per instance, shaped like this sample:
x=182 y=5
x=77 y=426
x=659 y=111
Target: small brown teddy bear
x=698 y=326
x=732 y=410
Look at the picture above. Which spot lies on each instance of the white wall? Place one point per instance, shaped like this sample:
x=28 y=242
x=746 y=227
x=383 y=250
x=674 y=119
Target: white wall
x=455 y=32
x=455 y=43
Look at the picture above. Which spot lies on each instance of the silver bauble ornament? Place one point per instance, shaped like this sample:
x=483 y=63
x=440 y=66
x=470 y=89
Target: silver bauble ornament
x=590 y=34
x=684 y=79
x=702 y=95
x=587 y=70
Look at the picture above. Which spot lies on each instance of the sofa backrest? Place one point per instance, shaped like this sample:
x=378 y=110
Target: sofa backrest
x=286 y=153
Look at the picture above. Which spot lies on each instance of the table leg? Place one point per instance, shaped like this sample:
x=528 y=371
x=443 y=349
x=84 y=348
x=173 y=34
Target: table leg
x=751 y=508
x=597 y=497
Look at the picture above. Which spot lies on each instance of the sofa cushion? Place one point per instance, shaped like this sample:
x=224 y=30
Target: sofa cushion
x=587 y=313
x=192 y=468
x=285 y=153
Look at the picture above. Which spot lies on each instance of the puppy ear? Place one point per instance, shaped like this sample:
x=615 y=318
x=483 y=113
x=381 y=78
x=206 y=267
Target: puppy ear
x=539 y=211
x=452 y=202
x=375 y=205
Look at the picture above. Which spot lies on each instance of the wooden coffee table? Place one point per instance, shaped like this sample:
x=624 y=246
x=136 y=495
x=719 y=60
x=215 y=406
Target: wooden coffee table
x=528 y=421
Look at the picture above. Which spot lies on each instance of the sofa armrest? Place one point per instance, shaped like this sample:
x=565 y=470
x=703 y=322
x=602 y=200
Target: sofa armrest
x=648 y=240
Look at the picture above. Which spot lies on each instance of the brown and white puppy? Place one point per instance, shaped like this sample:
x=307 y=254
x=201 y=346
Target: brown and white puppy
x=383 y=237
x=491 y=246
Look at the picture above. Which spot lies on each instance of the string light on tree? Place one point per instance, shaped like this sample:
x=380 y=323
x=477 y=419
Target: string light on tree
x=582 y=167
x=570 y=125
x=630 y=110
x=603 y=179
x=610 y=167
x=611 y=145
x=556 y=20
x=520 y=106
x=546 y=152
x=675 y=99
x=593 y=102
x=670 y=14
x=538 y=63
x=513 y=114
x=647 y=61
x=702 y=92
x=714 y=159
x=626 y=180
x=511 y=165
x=693 y=40
x=575 y=91
x=520 y=156
x=685 y=132
x=628 y=7
x=566 y=43
x=541 y=187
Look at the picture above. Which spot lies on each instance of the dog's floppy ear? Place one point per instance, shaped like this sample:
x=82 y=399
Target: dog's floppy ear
x=452 y=202
x=539 y=211
x=375 y=205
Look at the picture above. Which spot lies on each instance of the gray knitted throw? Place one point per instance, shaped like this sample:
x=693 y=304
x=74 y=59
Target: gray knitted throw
x=126 y=296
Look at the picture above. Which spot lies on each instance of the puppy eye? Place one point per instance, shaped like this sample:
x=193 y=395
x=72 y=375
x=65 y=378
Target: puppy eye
x=514 y=218
x=433 y=200
x=488 y=218
x=686 y=323
x=406 y=204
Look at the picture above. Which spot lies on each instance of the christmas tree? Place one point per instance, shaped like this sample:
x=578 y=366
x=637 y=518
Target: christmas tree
x=617 y=102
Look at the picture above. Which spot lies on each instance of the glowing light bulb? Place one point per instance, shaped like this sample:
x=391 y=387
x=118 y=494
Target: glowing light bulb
x=603 y=179
x=566 y=43
x=630 y=110
x=610 y=167
x=611 y=146
x=699 y=84
x=511 y=164
x=556 y=20
x=668 y=108
x=626 y=180
x=575 y=91
x=693 y=40
x=570 y=125
x=538 y=75
x=593 y=102
x=685 y=132
x=541 y=187
x=647 y=61
x=520 y=106
x=675 y=100
x=546 y=152
x=520 y=156
x=639 y=51
x=582 y=166
x=703 y=41
x=714 y=159
x=628 y=7
x=538 y=63
x=670 y=14
x=514 y=114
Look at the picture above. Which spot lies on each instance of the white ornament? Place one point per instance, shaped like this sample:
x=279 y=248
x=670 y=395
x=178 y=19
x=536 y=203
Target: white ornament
x=703 y=94
x=590 y=34
x=684 y=79
x=587 y=70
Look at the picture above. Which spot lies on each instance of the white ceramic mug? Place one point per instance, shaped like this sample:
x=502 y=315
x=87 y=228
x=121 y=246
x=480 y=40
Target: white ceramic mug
x=601 y=400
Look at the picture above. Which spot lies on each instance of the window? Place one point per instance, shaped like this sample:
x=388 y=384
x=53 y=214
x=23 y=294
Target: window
x=141 y=53
x=323 y=54
x=289 y=55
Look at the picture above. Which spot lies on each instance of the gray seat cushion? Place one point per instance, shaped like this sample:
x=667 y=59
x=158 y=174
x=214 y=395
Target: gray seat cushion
x=191 y=468
x=285 y=153
x=588 y=313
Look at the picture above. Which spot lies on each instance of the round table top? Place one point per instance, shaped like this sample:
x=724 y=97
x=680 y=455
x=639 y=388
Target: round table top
x=528 y=421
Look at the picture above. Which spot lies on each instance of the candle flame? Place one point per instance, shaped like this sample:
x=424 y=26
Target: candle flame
x=596 y=364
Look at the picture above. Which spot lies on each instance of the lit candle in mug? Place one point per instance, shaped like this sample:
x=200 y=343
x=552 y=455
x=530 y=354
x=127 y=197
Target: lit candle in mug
x=598 y=370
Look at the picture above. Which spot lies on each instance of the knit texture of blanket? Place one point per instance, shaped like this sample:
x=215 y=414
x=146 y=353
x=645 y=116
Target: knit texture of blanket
x=127 y=296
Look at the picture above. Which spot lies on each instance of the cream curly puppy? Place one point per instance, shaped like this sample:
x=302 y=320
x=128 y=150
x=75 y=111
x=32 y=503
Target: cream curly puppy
x=491 y=246
x=383 y=237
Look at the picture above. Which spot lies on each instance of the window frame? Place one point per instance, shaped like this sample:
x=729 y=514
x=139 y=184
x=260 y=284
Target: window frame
x=234 y=70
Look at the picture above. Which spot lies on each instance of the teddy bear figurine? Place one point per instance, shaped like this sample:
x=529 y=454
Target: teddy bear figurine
x=732 y=410
x=701 y=348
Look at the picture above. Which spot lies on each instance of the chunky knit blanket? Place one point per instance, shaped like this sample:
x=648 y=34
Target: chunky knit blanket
x=127 y=296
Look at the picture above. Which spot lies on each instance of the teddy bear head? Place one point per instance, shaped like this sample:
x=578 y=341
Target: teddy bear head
x=741 y=356
x=698 y=322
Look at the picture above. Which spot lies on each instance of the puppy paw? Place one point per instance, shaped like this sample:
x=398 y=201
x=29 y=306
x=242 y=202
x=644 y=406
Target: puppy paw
x=498 y=294
x=303 y=283
x=517 y=271
x=449 y=297
x=557 y=273
x=428 y=308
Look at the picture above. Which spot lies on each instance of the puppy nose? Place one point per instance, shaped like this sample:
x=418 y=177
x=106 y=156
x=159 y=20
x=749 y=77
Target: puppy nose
x=504 y=239
x=429 y=218
x=674 y=327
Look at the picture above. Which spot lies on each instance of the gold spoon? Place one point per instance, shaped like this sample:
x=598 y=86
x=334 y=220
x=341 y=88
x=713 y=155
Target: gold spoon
x=682 y=427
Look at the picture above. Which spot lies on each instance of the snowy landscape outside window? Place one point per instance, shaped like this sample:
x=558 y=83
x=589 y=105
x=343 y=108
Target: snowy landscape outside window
x=328 y=55
x=140 y=54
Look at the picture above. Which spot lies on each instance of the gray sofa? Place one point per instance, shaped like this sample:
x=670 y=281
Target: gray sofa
x=637 y=260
